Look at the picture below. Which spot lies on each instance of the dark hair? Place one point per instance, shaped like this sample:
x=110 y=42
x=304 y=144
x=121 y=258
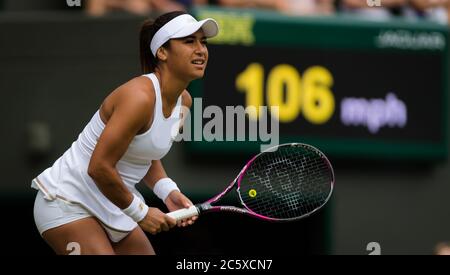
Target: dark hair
x=148 y=30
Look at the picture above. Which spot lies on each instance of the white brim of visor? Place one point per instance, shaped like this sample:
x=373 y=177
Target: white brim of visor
x=182 y=26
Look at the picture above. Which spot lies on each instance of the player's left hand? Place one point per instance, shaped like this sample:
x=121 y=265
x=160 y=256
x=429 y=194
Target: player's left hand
x=176 y=200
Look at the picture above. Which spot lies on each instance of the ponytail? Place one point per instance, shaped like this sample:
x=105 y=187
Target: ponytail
x=148 y=61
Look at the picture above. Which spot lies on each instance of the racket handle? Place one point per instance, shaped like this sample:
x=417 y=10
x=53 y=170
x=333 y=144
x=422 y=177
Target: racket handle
x=184 y=213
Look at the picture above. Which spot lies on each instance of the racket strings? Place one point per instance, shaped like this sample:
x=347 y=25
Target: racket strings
x=288 y=183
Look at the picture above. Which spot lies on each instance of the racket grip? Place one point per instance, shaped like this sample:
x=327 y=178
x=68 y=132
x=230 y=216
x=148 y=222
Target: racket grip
x=184 y=213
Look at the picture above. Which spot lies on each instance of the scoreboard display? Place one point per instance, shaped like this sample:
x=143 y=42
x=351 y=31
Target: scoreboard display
x=352 y=88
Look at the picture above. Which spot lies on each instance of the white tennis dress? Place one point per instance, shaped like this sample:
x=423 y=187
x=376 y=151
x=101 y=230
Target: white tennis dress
x=69 y=181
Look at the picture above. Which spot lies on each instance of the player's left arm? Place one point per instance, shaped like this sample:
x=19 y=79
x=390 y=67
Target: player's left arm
x=175 y=199
x=156 y=171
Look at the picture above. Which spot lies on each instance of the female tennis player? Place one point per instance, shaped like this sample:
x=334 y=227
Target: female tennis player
x=88 y=196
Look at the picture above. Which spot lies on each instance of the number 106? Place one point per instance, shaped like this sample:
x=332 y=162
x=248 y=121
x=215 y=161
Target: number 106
x=310 y=94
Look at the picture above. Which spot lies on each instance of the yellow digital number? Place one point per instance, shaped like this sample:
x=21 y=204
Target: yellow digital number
x=311 y=95
x=251 y=82
x=318 y=100
x=280 y=77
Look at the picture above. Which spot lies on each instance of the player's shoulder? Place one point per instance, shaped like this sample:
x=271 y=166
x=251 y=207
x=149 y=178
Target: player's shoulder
x=138 y=90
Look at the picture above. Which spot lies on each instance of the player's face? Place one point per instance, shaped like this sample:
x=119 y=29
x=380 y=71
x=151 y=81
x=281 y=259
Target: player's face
x=188 y=56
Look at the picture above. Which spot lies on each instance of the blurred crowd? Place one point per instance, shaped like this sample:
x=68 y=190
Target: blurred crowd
x=435 y=10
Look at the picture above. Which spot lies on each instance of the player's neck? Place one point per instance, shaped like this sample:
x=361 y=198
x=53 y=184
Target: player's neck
x=171 y=87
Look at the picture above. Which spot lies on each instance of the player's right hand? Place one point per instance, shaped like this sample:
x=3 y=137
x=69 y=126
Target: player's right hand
x=156 y=221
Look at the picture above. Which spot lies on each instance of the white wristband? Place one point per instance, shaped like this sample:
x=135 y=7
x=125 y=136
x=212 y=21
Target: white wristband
x=163 y=188
x=137 y=210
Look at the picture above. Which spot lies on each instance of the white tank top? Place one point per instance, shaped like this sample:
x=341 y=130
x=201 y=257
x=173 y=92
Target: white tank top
x=68 y=177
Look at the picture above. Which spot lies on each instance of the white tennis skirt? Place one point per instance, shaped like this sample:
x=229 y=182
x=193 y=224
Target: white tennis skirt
x=53 y=213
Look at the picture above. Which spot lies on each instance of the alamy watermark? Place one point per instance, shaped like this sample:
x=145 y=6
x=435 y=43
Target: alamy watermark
x=73 y=3
x=74 y=248
x=374 y=248
x=231 y=124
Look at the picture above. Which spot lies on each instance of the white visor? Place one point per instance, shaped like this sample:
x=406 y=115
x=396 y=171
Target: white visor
x=182 y=26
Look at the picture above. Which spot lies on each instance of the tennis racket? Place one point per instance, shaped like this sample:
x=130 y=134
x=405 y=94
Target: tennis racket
x=283 y=183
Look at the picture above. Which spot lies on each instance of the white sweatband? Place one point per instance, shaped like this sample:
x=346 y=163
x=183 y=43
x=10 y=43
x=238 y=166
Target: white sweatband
x=137 y=210
x=182 y=26
x=163 y=188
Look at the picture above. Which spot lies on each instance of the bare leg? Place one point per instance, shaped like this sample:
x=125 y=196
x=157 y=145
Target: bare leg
x=86 y=232
x=136 y=243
